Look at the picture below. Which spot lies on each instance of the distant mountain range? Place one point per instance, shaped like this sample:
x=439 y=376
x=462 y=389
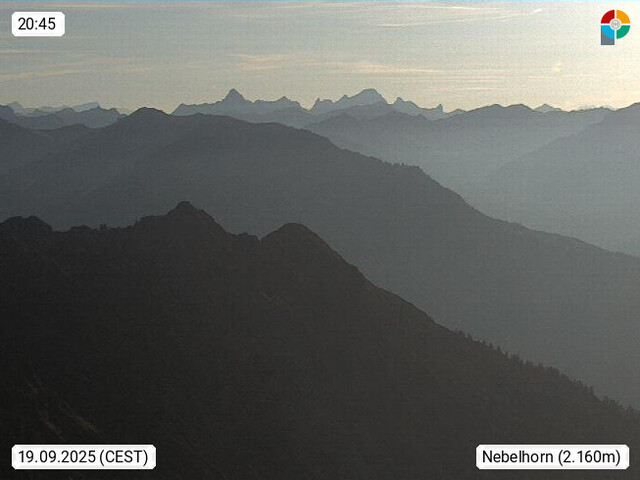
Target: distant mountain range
x=459 y=151
x=545 y=108
x=573 y=173
x=462 y=150
x=47 y=118
x=366 y=104
x=40 y=111
x=546 y=297
x=584 y=185
x=465 y=151
x=242 y=358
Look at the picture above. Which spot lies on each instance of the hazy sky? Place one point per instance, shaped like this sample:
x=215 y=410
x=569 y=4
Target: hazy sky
x=463 y=55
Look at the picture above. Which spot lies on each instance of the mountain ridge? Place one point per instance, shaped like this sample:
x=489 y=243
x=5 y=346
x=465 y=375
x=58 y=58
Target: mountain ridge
x=460 y=150
x=496 y=280
x=581 y=185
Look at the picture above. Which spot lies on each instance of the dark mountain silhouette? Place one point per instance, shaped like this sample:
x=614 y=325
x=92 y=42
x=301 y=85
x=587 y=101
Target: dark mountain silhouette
x=31 y=412
x=461 y=150
x=584 y=185
x=543 y=296
x=244 y=358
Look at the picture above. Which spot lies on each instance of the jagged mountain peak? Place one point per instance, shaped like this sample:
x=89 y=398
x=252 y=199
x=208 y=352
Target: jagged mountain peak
x=401 y=101
x=184 y=219
x=234 y=96
x=298 y=233
x=411 y=108
x=320 y=101
x=184 y=207
x=366 y=97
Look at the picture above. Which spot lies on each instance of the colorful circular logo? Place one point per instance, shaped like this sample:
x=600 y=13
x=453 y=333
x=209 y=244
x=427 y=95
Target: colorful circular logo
x=615 y=24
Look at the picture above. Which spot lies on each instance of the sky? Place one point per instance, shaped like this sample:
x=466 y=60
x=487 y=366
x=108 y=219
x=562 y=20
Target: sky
x=463 y=55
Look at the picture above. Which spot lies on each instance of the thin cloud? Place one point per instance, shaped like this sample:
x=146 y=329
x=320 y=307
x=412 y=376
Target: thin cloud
x=7 y=77
x=471 y=15
x=20 y=51
x=34 y=75
x=257 y=63
x=388 y=69
x=385 y=69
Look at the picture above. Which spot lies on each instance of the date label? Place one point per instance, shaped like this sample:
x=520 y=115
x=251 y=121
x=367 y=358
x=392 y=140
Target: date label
x=83 y=457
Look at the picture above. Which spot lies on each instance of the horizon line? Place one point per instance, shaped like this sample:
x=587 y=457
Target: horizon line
x=130 y=109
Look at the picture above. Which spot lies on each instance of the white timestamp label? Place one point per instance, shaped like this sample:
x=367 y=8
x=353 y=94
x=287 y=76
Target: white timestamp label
x=37 y=24
x=83 y=457
x=552 y=457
